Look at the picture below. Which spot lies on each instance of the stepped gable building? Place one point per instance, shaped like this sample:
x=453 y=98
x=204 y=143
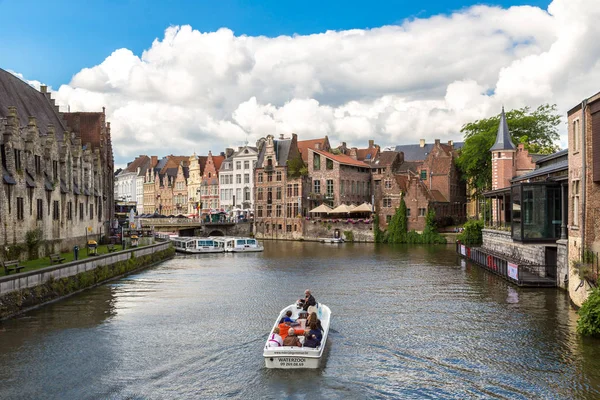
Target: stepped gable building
x=196 y=169
x=279 y=189
x=209 y=185
x=57 y=170
x=434 y=182
x=337 y=179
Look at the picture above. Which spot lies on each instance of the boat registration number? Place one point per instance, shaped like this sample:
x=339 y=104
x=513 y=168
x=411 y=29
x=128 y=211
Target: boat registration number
x=291 y=362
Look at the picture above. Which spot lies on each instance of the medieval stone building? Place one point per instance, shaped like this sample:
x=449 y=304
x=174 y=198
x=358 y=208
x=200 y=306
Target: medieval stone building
x=57 y=172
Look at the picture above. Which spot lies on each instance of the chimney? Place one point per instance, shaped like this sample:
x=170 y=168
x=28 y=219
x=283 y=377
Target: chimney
x=371 y=143
x=317 y=146
x=422 y=143
x=353 y=153
x=44 y=89
x=222 y=154
x=437 y=142
x=450 y=143
x=281 y=137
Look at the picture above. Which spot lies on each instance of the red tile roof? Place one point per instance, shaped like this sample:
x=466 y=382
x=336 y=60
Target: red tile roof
x=342 y=159
x=361 y=154
x=217 y=161
x=304 y=145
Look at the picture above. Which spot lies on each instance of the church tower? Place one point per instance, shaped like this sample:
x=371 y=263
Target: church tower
x=503 y=156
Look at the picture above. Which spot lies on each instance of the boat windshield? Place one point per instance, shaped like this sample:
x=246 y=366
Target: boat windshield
x=240 y=242
x=251 y=241
x=190 y=244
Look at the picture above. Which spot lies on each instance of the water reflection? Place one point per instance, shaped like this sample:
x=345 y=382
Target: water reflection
x=408 y=322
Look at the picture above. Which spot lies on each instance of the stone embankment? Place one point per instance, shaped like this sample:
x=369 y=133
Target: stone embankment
x=28 y=290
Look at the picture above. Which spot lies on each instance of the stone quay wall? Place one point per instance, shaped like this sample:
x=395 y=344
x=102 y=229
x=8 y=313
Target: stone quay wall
x=28 y=290
x=361 y=232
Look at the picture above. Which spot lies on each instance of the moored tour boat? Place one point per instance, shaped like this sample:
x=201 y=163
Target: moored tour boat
x=241 y=245
x=196 y=245
x=290 y=357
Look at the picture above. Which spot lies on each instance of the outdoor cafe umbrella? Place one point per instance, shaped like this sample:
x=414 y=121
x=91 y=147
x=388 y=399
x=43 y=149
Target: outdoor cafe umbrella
x=341 y=209
x=323 y=208
x=364 y=207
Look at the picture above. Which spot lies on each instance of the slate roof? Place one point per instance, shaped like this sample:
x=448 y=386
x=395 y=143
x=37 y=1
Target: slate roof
x=541 y=158
x=29 y=102
x=414 y=152
x=550 y=169
x=342 y=159
x=227 y=164
x=503 y=140
x=143 y=162
x=385 y=159
x=282 y=152
x=409 y=166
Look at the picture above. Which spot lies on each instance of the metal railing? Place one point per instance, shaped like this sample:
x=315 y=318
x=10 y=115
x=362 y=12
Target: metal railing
x=516 y=271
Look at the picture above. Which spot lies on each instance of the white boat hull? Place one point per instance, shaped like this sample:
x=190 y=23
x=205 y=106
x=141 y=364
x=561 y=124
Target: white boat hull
x=245 y=249
x=199 y=251
x=288 y=357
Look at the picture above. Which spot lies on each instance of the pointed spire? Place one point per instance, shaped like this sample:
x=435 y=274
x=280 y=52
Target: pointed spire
x=503 y=140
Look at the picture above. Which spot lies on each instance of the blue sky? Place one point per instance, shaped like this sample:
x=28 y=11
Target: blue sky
x=52 y=40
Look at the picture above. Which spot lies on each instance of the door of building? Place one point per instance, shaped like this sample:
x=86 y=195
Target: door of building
x=551 y=258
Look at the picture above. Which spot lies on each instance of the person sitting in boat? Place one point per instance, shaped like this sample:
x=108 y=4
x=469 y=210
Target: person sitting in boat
x=315 y=328
x=284 y=328
x=275 y=339
x=312 y=319
x=292 y=339
x=308 y=301
x=288 y=318
x=311 y=340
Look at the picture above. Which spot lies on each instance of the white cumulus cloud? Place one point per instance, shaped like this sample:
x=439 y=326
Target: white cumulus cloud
x=424 y=78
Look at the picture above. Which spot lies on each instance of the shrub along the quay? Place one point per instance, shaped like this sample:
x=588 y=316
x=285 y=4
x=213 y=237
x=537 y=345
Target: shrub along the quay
x=588 y=323
x=471 y=235
x=397 y=231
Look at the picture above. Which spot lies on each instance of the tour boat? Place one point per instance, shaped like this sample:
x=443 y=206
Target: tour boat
x=241 y=245
x=196 y=245
x=290 y=357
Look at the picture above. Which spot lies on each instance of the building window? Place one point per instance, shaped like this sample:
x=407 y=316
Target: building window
x=55 y=210
x=238 y=165
x=316 y=162
x=91 y=211
x=238 y=178
x=259 y=194
x=317 y=186
x=289 y=190
x=330 y=187
x=246 y=164
x=296 y=189
x=575 y=191
x=408 y=212
x=70 y=210
x=278 y=210
x=260 y=177
x=269 y=210
x=269 y=177
x=55 y=171
x=246 y=178
x=288 y=228
x=259 y=211
x=20 y=208
x=576 y=135
x=388 y=219
x=18 y=165
x=288 y=210
x=329 y=164
x=387 y=203
x=81 y=211
x=40 y=209
x=38 y=164
x=422 y=212
x=388 y=183
x=278 y=193
x=278 y=176
x=423 y=174
x=246 y=194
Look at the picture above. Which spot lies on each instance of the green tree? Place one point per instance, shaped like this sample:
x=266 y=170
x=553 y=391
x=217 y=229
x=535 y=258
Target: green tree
x=537 y=130
x=398 y=226
x=296 y=167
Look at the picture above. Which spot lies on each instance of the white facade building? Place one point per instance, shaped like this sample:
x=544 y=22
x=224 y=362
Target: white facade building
x=236 y=180
x=129 y=183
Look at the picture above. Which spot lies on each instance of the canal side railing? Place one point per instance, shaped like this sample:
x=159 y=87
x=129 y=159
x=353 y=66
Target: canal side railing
x=515 y=271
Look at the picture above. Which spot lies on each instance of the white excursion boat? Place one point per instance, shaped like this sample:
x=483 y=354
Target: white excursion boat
x=196 y=245
x=331 y=240
x=290 y=357
x=240 y=244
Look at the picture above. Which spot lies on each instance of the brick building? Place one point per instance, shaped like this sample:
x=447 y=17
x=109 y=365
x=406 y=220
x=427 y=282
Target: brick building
x=196 y=169
x=337 y=179
x=584 y=178
x=279 y=189
x=209 y=186
x=57 y=170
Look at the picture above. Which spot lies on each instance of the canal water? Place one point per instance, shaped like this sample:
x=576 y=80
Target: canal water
x=408 y=322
